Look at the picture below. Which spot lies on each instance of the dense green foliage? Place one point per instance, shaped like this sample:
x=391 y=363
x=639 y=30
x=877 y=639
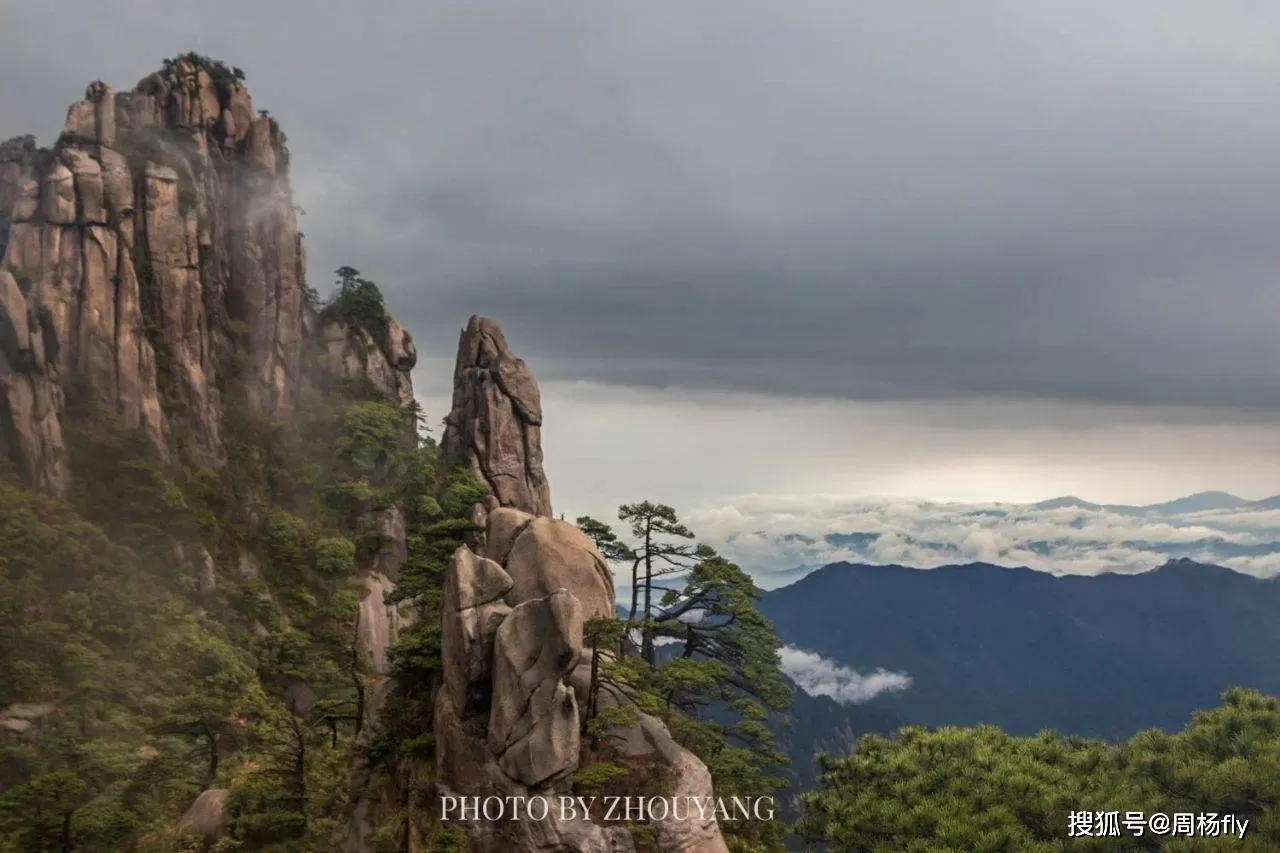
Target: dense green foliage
x=357 y=302
x=90 y=640
x=175 y=628
x=979 y=789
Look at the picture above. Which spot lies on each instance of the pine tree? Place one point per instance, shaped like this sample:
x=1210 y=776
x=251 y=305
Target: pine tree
x=720 y=691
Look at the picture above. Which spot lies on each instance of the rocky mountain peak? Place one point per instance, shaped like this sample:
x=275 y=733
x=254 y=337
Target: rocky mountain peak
x=495 y=426
x=517 y=672
x=149 y=257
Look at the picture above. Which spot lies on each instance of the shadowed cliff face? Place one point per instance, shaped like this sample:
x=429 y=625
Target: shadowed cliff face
x=153 y=251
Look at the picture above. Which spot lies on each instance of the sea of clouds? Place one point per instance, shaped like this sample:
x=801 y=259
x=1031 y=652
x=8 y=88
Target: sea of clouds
x=781 y=538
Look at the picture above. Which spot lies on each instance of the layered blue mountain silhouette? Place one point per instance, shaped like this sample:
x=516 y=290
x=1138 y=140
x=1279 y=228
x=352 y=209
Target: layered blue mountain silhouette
x=1104 y=655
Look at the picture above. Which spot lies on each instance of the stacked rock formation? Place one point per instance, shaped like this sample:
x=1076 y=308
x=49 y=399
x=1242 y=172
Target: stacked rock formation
x=161 y=220
x=516 y=673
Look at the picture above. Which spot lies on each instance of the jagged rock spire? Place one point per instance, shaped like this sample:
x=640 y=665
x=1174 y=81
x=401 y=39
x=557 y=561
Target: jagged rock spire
x=517 y=673
x=495 y=426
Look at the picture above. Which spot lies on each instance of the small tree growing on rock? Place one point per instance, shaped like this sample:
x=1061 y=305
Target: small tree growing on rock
x=599 y=634
x=658 y=551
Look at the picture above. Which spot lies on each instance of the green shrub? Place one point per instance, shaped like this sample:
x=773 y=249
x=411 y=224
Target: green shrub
x=335 y=556
x=288 y=541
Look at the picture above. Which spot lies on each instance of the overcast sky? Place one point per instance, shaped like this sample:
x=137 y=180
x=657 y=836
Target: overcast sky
x=973 y=251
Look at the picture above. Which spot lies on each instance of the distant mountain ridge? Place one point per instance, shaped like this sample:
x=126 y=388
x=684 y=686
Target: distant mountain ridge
x=1104 y=655
x=1198 y=502
x=1061 y=535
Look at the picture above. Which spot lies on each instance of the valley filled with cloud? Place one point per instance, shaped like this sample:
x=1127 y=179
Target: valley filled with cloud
x=781 y=538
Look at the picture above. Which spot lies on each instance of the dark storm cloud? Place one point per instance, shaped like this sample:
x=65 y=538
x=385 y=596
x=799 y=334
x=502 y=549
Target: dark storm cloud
x=875 y=200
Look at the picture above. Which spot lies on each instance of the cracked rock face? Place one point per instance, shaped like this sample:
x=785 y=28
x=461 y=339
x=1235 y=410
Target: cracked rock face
x=508 y=720
x=533 y=723
x=496 y=422
x=473 y=609
x=548 y=555
x=154 y=246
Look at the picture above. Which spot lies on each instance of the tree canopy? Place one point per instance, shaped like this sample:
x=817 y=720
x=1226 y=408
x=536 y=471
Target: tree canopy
x=979 y=789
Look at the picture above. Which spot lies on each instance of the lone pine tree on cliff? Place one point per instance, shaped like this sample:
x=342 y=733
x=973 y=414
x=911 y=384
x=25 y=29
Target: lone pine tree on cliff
x=657 y=551
x=718 y=691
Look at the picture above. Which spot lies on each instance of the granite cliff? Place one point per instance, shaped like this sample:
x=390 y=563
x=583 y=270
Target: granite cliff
x=149 y=256
x=151 y=268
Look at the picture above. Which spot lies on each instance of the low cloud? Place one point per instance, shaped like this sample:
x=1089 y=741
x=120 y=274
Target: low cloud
x=781 y=538
x=818 y=676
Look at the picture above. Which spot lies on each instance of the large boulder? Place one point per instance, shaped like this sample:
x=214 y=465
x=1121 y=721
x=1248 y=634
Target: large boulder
x=23 y=718
x=533 y=723
x=549 y=554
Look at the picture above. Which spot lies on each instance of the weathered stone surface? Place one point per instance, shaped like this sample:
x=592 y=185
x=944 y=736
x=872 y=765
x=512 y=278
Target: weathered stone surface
x=354 y=354
x=378 y=624
x=58 y=196
x=207 y=816
x=30 y=399
x=502 y=526
x=401 y=351
x=534 y=685
x=117 y=190
x=80 y=282
x=169 y=208
x=180 y=304
x=26 y=200
x=473 y=608
x=548 y=750
x=207 y=579
x=552 y=835
x=87 y=179
x=473 y=581
x=93 y=120
x=692 y=835
x=96 y=346
x=247 y=568
x=15 y=334
x=462 y=759
x=81 y=120
x=495 y=424
x=533 y=723
x=550 y=554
